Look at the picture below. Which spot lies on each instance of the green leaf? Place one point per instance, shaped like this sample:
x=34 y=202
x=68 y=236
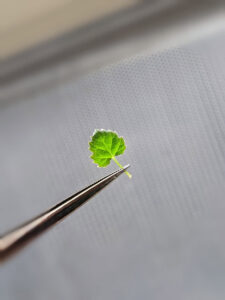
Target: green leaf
x=105 y=145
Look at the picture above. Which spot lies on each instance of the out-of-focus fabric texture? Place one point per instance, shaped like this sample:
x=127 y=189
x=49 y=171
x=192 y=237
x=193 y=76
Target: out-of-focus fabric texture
x=157 y=236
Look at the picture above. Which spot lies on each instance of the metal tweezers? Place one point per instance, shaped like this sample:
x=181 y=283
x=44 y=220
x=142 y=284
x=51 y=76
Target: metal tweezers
x=16 y=239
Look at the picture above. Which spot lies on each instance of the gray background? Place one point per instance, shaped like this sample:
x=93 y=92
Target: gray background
x=157 y=236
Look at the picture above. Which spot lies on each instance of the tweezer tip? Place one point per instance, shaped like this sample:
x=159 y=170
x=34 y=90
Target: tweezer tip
x=120 y=171
x=126 y=167
x=115 y=174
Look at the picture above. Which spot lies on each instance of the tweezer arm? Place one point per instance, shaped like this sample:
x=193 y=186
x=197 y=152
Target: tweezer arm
x=16 y=239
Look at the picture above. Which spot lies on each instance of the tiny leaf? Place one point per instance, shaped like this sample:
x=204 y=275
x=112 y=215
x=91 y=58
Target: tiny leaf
x=105 y=145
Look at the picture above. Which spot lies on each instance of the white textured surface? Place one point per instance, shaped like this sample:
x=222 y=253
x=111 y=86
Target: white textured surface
x=158 y=236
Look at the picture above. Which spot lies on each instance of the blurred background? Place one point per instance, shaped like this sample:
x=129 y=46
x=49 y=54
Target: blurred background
x=154 y=71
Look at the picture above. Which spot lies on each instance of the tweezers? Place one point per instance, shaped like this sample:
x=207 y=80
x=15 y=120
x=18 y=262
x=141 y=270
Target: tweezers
x=16 y=239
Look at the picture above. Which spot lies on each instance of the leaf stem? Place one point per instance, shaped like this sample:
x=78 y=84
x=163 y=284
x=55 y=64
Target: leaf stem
x=118 y=164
